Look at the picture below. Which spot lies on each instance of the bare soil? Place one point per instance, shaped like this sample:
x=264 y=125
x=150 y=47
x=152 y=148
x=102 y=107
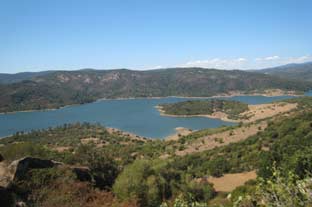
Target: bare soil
x=229 y=182
x=223 y=138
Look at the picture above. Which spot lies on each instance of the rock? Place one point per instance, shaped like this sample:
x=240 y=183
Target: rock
x=5 y=175
x=7 y=198
x=83 y=174
x=21 y=204
x=19 y=168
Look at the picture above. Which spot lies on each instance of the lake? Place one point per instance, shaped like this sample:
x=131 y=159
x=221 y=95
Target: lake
x=138 y=116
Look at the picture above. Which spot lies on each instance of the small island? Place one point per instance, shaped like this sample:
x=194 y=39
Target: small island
x=226 y=110
x=215 y=108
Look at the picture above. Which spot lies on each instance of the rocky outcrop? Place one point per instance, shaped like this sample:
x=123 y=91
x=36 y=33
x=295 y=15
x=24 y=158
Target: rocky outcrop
x=20 y=167
x=83 y=174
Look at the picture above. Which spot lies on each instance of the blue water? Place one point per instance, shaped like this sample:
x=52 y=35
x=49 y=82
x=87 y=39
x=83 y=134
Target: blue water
x=138 y=116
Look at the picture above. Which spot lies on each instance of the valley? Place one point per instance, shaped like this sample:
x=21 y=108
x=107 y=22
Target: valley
x=218 y=159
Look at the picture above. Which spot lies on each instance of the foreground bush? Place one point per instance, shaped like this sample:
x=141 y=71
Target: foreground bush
x=138 y=181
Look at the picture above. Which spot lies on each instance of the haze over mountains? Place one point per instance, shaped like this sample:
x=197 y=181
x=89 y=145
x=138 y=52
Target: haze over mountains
x=300 y=71
x=295 y=71
x=53 y=89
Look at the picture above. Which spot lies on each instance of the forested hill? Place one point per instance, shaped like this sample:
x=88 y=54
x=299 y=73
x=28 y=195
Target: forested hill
x=6 y=78
x=75 y=87
x=291 y=71
x=204 y=107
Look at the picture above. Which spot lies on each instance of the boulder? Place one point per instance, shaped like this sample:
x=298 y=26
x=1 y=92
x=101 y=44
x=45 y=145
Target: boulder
x=19 y=168
x=83 y=174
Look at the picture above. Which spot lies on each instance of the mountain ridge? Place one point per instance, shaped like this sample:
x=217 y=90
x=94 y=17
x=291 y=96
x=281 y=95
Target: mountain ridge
x=61 y=88
x=294 y=71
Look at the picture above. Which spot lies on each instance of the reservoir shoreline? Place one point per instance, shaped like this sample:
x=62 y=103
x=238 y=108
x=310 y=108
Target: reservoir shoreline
x=221 y=95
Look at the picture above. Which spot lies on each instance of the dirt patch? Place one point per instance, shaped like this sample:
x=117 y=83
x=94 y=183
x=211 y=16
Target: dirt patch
x=90 y=140
x=267 y=93
x=262 y=111
x=180 y=131
x=126 y=134
x=61 y=149
x=222 y=138
x=229 y=182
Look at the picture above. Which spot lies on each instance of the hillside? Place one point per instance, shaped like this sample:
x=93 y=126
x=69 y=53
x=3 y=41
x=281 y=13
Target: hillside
x=62 y=88
x=89 y=165
x=291 y=71
x=227 y=110
x=6 y=78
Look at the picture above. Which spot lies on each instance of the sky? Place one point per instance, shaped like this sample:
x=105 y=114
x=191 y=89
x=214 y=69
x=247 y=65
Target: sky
x=38 y=35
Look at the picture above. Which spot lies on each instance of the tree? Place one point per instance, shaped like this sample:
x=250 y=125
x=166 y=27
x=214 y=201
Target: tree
x=218 y=166
x=138 y=182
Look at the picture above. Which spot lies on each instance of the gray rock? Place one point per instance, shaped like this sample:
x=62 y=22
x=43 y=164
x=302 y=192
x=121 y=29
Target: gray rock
x=22 y=166
x=83 y=174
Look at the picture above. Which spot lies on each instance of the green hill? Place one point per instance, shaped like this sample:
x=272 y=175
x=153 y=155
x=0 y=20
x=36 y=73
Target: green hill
x=205 y=107
x=301 y=71
x=62 y=88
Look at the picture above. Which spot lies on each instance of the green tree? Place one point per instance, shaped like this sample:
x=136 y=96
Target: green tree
x=137 y=181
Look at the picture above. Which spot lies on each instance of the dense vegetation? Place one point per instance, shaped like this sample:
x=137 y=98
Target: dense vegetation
x=62 y=88
x=131 y=172
x=205 y=107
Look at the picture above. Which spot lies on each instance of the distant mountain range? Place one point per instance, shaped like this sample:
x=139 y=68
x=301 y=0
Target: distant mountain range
x=59 y=88
x=6 y=78
x=301 y=71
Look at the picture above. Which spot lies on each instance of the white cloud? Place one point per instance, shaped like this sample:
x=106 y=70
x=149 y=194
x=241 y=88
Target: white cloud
x=275 y=57
x=157 y=67
x=276 y=61
x=244 y=63
x=217 y=63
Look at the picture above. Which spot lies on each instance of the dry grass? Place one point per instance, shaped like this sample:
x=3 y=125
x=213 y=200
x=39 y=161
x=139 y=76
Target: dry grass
x=223 y=138
x=61 y=149
x=229 y=182
x=262 y=111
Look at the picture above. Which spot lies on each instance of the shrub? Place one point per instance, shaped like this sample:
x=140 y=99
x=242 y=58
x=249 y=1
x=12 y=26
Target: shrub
x=218 y=166
x=138 y=182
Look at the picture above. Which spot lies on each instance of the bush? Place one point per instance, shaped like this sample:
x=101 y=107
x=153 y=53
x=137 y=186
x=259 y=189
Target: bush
x=201 y=191
x=138 y=182
x=16 y=151
x=218 y=166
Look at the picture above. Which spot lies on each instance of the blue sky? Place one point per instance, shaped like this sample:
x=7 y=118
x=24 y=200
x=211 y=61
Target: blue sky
x=62 y=34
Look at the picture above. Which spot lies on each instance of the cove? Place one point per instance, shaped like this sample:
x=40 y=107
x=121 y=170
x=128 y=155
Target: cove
x=138 y=116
